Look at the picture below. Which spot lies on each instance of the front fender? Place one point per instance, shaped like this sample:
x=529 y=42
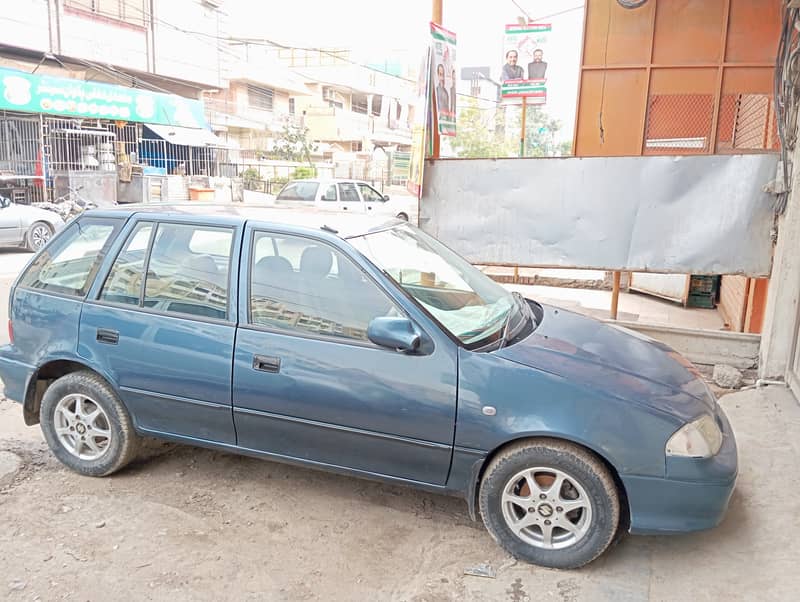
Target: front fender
x=533 y=403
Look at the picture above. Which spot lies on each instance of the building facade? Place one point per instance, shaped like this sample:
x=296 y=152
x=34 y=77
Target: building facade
x=99 y=94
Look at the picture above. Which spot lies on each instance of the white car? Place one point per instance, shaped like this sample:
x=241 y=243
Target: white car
x=26 y=226
x=347 y=195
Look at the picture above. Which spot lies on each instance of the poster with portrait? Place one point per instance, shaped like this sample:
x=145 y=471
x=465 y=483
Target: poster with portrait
x=524 y=73
x=419 y=126
x=443 y=52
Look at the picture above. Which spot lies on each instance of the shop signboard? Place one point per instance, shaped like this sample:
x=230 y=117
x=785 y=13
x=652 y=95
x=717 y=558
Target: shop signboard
x=20 y=91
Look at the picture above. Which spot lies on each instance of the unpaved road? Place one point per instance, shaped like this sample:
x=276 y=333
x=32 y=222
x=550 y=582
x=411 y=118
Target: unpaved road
x=188 y=524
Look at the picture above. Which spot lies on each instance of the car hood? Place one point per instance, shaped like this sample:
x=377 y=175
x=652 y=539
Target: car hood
x=621 y=362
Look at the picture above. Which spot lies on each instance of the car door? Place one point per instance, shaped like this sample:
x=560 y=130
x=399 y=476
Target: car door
x=349 y=199
x=373 y=200
x=309 y=385
x=166 y=340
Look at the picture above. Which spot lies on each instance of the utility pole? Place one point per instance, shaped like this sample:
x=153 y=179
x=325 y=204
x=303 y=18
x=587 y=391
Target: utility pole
x=436 y=17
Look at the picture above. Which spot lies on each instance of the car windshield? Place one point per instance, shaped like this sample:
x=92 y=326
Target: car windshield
x=465 y=301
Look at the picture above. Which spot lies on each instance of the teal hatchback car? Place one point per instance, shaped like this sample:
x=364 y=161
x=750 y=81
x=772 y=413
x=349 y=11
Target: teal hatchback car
x=366 y=348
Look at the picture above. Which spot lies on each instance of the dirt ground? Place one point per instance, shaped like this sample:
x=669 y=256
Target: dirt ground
x=189 y=524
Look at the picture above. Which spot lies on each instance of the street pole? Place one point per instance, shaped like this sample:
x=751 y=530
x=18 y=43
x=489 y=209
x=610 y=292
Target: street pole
x=436 y=17
x=522 y=133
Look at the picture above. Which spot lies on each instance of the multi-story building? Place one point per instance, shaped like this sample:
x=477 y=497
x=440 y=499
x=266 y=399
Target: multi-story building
x=361 y=115
x=258 y=103
x=98 y=91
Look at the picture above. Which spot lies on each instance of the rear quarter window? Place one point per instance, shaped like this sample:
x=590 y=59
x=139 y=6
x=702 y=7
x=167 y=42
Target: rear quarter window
x=69 y=264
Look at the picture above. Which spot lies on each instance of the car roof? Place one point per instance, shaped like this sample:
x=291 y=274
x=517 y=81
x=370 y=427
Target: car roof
x=311 y=218
x=329 y=181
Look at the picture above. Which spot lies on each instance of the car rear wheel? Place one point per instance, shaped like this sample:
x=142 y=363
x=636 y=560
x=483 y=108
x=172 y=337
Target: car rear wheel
x=550 y=503
x=402 y=216
x=86 y=426
x=38 y=235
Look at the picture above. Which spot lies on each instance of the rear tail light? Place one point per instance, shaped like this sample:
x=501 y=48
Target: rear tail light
x=10 y=332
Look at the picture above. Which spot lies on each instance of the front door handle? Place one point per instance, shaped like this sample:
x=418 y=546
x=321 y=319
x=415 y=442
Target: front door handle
x=110 y=337
x=264 y=363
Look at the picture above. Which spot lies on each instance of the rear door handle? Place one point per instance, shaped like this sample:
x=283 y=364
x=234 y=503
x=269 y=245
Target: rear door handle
x=110 y=337
x=265 y=363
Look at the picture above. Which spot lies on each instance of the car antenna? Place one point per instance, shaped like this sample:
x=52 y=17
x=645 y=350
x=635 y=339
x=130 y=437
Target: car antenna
x=329 y=229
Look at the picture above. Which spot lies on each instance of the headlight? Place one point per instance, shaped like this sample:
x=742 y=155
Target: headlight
x=699 y=439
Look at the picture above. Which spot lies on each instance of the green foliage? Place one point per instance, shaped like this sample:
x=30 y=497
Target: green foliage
x=250 y=176
x=477 y=136
x=293 y=144
x=303 y=172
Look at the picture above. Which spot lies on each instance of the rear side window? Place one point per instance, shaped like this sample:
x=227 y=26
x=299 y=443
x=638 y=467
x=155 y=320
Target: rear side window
x=124 y=282
x=348 y=193
x=187 y=271
x=299 y=191
x=68 y=266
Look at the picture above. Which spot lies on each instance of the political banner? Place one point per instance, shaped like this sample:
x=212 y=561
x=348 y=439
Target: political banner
x=443 y=51
x=524 y=73
x=419 y=127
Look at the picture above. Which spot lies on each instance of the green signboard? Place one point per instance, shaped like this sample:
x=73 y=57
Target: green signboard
x=20 y=91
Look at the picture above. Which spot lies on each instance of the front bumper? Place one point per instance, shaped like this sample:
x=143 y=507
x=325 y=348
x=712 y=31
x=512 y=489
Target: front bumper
x=694 y=495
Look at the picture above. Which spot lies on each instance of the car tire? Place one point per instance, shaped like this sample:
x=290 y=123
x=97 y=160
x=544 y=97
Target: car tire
x=402 y=216
x=38 y=235
x=86 y=425
x=519 y=504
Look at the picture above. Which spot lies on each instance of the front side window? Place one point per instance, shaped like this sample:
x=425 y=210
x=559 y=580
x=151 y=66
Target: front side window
x=463 y=300
x=68 y=265
x=299 y=191
x=187 y=270
x=307 y=287
x=369 y=194
x=124 y=281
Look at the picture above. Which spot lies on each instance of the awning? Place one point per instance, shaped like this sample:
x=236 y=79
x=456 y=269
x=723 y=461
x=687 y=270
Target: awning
x=186 y=136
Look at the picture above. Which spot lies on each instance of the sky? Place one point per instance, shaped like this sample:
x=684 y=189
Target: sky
x=376 y=29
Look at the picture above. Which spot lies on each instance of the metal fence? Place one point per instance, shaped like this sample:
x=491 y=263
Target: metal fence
x=20 y=144
x=683 y=124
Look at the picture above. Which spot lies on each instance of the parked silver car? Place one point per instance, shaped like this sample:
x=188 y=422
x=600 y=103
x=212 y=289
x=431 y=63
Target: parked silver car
x=26 y=226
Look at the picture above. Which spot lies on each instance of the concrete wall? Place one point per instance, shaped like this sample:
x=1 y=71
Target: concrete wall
x=26 y=26
x=191 y=56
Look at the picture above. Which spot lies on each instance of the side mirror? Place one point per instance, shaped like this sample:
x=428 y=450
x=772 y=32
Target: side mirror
x=4 y=202
x=395 y=333
x=385 y=197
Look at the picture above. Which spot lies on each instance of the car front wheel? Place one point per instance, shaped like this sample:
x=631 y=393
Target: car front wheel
x=86 y=426
x=402 y=216
x=550 y=503
x=38 y=235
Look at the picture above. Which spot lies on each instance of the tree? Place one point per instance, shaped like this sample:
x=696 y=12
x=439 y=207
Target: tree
x=293 y=144
x=477 y=135
x=541 y=131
